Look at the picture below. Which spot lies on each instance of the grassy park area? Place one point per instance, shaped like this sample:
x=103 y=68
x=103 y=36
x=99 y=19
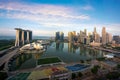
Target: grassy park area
x=48 y=60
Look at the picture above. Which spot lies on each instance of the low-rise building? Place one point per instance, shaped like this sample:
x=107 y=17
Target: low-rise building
x=84 y=69
x=107 y=64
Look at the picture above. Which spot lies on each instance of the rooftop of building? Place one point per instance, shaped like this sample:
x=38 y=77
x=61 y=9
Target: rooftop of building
x=77 y=67
x=46 y=73
x=117 y=55
x=22 y=29
x=110 y=63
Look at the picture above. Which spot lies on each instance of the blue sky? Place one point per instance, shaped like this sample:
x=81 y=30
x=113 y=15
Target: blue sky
x=45 y=17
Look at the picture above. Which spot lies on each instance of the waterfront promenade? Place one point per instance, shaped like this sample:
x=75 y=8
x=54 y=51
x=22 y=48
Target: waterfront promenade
x=103 y=49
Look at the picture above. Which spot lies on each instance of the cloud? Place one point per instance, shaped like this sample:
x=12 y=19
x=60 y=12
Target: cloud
x=43 y=33
x=42 y=10
x=56 y=17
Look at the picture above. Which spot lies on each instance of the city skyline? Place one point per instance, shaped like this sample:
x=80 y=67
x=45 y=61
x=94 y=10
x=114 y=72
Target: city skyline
x=46 y=17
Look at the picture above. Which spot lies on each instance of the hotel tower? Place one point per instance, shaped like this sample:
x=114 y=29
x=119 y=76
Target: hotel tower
x=22 y=36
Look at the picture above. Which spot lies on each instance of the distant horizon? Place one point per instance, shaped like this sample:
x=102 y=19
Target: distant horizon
x=34 y=37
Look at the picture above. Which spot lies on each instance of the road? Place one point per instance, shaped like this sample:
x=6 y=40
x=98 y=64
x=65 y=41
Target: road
x=6 y=57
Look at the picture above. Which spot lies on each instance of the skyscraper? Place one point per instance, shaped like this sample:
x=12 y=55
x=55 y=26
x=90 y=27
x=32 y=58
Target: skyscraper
x=97 y=37
x=59 y=36
x=110 y=38
x=94 y=34
x=70 y=36
x=107 y=37
x=95 y=30
x=103 y=35
x=116 y=38
x=85 y=31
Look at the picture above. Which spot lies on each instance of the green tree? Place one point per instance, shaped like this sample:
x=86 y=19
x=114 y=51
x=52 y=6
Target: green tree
x=73 y=75
x=80 y=74
x=3 y=75
x=118 y=66
x=94 y=70
x=82 y=61
x=113 y=75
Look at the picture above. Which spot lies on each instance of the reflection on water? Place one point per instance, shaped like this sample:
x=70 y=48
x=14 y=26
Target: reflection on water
x=67 y=52
x=18 y=61
x=59 y=46
x=72 y=48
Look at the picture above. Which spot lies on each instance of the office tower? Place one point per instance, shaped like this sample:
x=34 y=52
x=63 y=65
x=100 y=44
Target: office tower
x=116 y=38
x=85 y=31
x=82 y=37
x=90 y=36
x=59 y=36
x=70 y=36
x=97 y=37
x=74 y=33
x=103 y=35
x=95 y=30
x=110 y=38
x=94 y=34
x=22 y=36
x=88 y=40
x=107 y=37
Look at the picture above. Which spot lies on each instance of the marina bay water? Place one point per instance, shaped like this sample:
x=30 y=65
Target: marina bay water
x=67 y=52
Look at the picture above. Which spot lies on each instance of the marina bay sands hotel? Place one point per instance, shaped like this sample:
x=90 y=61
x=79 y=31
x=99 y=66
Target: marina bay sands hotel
x=22 y=36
